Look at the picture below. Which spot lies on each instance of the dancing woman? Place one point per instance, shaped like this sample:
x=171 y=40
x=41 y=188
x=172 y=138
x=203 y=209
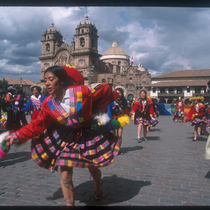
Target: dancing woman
x=179 y=111
x=117 y=109
x=35 y=101
x=143 y=109
x=199 y=119
x=63 y=135
x=154 y=115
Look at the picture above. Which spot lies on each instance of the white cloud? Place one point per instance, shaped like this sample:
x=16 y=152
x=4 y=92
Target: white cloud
x=60 y=13
x=154 y=36
x=3 y=62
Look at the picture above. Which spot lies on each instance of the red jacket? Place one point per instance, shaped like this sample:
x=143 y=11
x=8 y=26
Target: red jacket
x=177 y=105
x=200 y=111
x=84 y=100
x=148 y=108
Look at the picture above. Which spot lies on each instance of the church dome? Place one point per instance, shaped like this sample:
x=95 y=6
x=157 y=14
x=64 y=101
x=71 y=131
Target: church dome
x=115 y=52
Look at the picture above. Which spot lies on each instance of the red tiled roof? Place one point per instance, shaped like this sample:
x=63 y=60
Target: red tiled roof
x=19 y=81
x=179 y=83
x=185 y=73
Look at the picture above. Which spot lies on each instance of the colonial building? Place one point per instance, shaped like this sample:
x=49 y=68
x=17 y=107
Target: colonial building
x=181 y=83
x=112 y=67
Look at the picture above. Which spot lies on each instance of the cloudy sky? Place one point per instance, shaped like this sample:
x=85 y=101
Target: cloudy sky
x=163 y=39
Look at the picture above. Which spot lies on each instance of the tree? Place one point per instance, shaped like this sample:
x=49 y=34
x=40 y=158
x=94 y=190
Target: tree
x=3 y=86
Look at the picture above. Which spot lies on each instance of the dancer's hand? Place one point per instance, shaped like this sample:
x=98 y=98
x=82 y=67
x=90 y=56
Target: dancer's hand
x=9 y=140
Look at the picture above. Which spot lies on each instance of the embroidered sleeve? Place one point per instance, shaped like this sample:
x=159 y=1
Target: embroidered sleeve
x=135 y=106
x=15 y=137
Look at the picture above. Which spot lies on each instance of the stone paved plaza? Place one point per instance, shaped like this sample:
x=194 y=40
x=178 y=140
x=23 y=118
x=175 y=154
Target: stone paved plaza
x=168 y=170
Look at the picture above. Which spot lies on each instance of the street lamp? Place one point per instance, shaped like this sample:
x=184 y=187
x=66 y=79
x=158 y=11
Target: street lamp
x=90 y=74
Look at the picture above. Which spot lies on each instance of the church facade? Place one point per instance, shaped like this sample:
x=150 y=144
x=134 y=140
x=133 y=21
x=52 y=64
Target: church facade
x=82 y=52
x=112 y=67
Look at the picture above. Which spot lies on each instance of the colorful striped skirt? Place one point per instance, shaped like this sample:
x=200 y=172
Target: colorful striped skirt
x=199 y=120
x=56 y=148
x=141 y=120
x=179 y=115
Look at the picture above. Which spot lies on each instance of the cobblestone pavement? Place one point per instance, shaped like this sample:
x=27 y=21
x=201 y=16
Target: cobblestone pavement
x=168 y=170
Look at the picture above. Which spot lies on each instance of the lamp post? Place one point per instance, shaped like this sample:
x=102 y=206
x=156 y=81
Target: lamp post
x=90 y=73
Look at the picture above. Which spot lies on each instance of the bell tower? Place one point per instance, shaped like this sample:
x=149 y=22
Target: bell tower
x=86 y=49
x=86 y=37
x=51 y=40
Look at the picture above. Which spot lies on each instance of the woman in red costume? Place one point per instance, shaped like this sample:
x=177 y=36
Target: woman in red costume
x=63 y=135
x=35 y=101
x=198 y=112
x=143 y=110
x=179 y=111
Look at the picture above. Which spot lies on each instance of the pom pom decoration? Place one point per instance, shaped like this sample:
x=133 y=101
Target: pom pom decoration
x=103 y=118
x=74 y=74
x=3 y=148
x=124 y=120
x=103 y=123
x=116 y=123
x=201 y=98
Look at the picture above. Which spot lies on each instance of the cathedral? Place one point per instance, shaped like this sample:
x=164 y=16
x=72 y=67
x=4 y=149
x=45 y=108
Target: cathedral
x=113 y=66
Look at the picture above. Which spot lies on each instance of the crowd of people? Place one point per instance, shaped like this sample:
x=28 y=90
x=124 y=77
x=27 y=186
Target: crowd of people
x=82 y=126
x=13 y=105
x=198 y=115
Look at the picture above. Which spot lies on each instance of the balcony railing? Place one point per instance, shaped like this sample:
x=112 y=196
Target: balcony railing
x=171 y=95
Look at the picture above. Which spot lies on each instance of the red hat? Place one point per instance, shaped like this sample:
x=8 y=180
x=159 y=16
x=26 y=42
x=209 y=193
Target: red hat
x=74 y=74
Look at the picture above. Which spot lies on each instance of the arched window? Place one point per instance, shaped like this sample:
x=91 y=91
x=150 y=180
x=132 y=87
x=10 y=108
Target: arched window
x=82 y=31
x=47 y=47
x=48 y=37
x=119 y=63
x=82 y=42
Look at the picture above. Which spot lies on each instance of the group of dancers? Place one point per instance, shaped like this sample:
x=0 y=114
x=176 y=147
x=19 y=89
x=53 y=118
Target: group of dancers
x=143 y=112
x=81 y=126
x=198 y=115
